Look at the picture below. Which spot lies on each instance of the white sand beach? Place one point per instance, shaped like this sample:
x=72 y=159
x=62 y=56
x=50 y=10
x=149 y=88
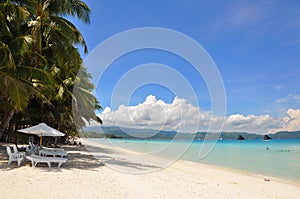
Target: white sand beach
x=84 y=176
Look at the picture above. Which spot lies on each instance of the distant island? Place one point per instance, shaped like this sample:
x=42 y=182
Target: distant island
x=120 y=133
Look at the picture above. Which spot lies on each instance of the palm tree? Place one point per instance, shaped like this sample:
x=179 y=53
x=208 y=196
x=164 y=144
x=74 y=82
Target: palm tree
x=15 y=72
x=40 y=58
x=84 y=102
x=53 y=34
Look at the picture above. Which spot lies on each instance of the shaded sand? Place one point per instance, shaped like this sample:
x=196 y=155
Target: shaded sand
x=85 y=176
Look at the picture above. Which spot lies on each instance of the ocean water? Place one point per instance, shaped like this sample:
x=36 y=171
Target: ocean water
x=277 y=157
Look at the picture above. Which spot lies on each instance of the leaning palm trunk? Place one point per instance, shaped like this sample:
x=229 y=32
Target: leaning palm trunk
x=5 y=121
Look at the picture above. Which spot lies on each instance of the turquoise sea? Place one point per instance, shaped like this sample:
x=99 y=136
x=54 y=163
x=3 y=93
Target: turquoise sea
x=277 y=157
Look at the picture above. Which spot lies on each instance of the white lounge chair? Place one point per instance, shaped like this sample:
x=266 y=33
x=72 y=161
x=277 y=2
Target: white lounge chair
x=16 y=151
x=34 y=148
x=52 y=149
x=18 y=157
x=45 y=152
x=40 y=159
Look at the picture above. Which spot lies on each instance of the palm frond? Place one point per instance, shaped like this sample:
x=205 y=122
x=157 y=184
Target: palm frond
x=21 y=45
x=66 y=31
x=75 y=8
x=18 y=95
x=6 y=56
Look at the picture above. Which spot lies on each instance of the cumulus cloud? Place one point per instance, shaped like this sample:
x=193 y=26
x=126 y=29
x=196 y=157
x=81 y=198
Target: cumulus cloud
x=182 y=116
x=250 y=123
x=289 y=123
x=156 y=114
x=264 y=123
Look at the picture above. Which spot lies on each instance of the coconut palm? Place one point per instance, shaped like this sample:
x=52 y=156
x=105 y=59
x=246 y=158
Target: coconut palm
x=40 y=60
x=84 y=102
x=16 y=74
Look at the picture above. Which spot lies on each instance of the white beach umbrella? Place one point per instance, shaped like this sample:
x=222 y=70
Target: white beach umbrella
x=41 y=130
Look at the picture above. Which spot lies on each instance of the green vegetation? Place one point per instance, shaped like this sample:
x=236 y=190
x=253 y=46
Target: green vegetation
x=39 y=65
x=126 y=133
x=286 y=134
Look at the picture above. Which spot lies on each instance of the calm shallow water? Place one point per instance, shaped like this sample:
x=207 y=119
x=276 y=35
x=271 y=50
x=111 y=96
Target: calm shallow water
x=282 y=159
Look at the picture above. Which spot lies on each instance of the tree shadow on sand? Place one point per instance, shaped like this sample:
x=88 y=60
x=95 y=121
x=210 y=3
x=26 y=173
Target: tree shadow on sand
x=113 y=159
x=80 y=157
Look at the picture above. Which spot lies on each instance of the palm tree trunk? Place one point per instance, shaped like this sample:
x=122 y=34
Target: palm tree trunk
x=5 y=121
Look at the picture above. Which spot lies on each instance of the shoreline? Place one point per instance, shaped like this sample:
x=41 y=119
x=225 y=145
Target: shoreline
x=211 y=166
x=228 y=176
x=85 y=176
x=243 y=172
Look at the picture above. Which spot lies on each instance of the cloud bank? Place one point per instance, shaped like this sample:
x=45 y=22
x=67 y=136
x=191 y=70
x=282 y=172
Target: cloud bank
x=182 y=116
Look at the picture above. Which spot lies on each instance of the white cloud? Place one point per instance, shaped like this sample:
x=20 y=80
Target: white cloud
x=290 y=122
x=250 y=123
x=278 y=87
x=290 y=98
x=241 y=14
x=182 y=116
x=156 y=114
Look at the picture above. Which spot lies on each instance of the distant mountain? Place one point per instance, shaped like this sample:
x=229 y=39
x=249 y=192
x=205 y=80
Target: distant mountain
x=232 y=135
x=132 y=133
x=128 y=133
x=286 y=134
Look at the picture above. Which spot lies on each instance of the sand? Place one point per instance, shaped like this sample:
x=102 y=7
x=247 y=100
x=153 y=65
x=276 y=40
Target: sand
x=85 y=176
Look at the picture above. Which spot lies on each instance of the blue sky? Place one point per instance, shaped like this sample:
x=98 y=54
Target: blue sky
x=255 y=45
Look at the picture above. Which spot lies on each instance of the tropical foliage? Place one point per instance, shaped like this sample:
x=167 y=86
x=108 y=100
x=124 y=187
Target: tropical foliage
x=39 y=62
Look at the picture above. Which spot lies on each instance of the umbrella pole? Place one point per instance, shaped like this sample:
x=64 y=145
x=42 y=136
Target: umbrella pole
x=41 y=139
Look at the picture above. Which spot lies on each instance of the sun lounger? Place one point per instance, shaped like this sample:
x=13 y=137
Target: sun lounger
x=17 y=152
x=34 y=148
x=53 y=149
x=44 y=152
x=18 y=157
x=40 y=159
